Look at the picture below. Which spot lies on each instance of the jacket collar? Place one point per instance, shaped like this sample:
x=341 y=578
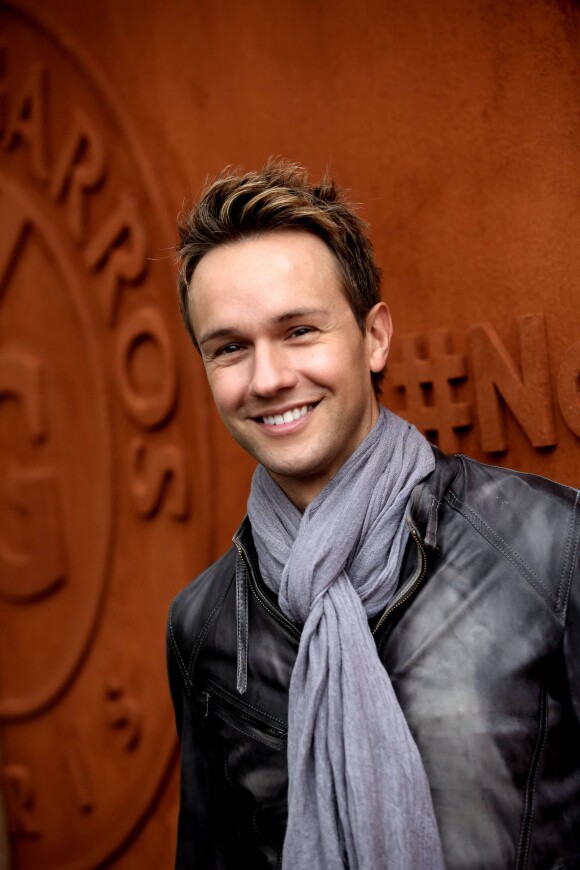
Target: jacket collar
x=427 y=497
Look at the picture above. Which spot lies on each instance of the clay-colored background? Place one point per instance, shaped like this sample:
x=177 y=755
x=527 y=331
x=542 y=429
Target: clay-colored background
x=455 y=124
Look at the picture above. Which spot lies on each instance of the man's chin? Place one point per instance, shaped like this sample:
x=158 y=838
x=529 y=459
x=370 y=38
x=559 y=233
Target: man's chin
x=282 y=460
x=296 y=472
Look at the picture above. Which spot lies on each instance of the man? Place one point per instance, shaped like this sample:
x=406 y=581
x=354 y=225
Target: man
x=384 y=670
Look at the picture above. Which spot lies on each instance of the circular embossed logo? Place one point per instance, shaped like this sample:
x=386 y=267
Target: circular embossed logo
x=96 y=495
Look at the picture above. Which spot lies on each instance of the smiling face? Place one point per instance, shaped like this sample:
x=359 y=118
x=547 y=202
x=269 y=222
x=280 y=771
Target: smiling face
x=288 y=366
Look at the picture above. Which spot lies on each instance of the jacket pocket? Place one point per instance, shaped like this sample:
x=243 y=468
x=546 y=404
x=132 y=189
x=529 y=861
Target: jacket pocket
x=252 y=745
x=219 y=704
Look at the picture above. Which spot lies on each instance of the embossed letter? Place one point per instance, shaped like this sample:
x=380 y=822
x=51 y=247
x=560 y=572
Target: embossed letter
x=123 y=714
x=152 y=406
x=159 y=474
x=27 y=121
x=427 y=379
x=528 y=396
x=569 y=387
x=79 y=167
x=119 y=245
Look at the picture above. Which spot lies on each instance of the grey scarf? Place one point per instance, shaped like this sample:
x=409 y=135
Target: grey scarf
x=358 y=793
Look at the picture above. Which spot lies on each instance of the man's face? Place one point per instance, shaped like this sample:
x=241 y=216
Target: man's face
x=288 y=366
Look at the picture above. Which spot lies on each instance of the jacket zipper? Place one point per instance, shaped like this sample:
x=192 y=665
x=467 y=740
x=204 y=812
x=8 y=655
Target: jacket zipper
x=414 y=583
x=278 y=616
x=215 y=700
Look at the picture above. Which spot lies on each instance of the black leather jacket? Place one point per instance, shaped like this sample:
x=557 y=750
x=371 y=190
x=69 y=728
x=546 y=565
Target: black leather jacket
x=482 y=644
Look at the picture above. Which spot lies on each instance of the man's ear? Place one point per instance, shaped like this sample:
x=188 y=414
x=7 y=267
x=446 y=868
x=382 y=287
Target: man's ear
x=379 y=330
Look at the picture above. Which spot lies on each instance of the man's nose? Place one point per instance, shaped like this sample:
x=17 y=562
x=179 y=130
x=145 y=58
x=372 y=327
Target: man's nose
x=272 y=370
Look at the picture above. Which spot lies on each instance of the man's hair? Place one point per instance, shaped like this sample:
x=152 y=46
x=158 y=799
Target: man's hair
x=236 y=206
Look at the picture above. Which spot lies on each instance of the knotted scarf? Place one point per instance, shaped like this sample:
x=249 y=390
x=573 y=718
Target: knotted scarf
x=358 y=794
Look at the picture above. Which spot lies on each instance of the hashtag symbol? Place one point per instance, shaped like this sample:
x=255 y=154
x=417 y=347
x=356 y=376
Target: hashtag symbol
x=428 y=380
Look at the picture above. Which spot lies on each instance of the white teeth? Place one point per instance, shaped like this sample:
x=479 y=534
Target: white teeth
x=287 y=416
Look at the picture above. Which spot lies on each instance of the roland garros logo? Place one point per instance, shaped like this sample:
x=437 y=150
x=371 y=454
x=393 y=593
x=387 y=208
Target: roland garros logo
x=94 y=488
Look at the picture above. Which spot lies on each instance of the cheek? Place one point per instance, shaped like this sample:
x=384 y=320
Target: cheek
x=228 y=389
x=323 y=364
x=339 y=367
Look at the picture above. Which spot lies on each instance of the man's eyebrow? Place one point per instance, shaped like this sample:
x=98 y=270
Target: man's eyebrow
x=298 y=313
x=222 y=332
x=233 y=332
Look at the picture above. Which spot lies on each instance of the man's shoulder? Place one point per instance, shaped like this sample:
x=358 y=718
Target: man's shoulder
x=197 y=604
x=529 y=521
x=492 y=488
x=497 y=496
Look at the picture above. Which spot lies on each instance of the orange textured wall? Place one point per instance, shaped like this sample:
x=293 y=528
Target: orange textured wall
x=455 y=124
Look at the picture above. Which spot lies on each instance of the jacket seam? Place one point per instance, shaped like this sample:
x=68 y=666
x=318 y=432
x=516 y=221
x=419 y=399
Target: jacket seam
x=569 y=559
x=507 y=552
x=226 y=770
x=175 y=647
x=186 y=671
x=530 y=794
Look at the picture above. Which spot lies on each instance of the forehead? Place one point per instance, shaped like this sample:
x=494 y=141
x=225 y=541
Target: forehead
x=265 y=274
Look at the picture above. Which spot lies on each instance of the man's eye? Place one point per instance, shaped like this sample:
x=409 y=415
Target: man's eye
x=228 y=349
x=300 y=331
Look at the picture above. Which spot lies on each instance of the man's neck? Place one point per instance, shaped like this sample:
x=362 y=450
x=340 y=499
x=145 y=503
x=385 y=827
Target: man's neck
x=300 y=492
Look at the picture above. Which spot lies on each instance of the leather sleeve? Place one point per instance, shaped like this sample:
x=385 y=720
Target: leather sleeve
x=204 y=838
x=572 y=633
